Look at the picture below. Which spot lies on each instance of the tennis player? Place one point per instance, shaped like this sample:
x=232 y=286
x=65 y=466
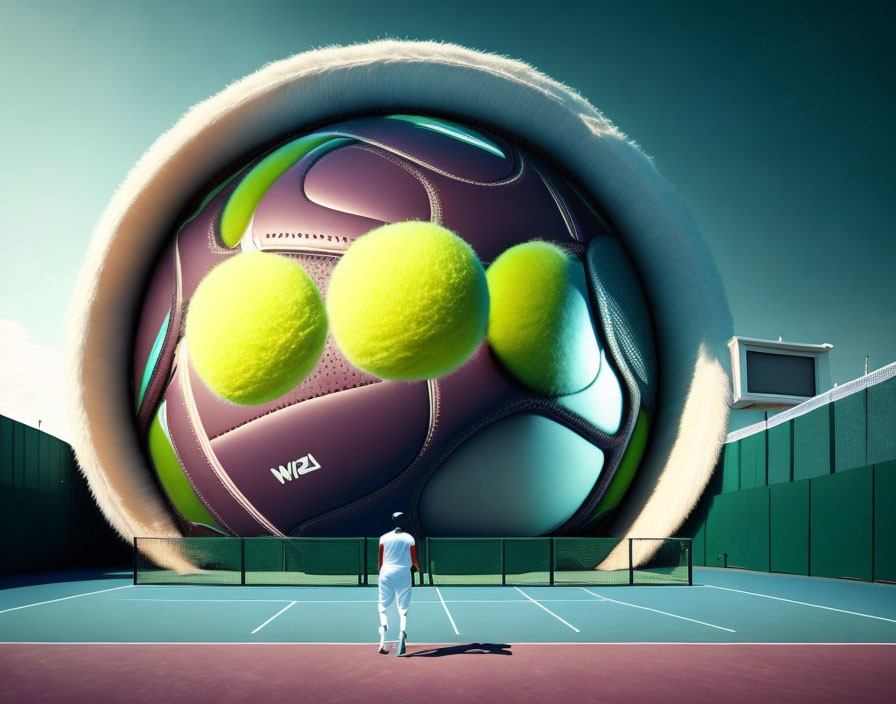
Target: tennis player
x=397 y=559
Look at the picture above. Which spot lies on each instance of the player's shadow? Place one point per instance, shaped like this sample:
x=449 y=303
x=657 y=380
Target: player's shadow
x=467 y=649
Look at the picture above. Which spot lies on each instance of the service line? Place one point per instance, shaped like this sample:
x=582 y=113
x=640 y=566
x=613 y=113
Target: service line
x=73 y=596
x=657 y=611
x=290 y=604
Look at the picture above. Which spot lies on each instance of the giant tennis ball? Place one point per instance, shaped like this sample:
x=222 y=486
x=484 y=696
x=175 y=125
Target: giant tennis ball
x=390 y=216
x=540 y=325
x=255 y=327
x=408 y=301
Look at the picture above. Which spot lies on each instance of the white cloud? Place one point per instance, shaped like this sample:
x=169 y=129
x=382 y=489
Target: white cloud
x=31 y=381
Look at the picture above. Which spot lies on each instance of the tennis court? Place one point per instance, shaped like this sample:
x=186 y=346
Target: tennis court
x=765 y=632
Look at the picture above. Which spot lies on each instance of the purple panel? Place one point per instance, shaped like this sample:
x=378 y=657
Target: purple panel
x=439 y=151
x=494 y=218
x=360 y=438
x=365 y=181
x=286 y=219
x=199 y=248
x=225 y=507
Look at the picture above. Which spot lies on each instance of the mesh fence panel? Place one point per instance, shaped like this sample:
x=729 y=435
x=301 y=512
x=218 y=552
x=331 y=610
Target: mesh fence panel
x=812 y=444
x=187 y=561
x=527 y=561
x=464 y=560
x=576 y=561
x=661 y=561
x=779 y=453
x=849 y=432
x=373 y=554
x=882 y=422
x=304 y=561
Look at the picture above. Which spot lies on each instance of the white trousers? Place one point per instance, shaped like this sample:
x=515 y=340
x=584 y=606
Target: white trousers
x=395 y=585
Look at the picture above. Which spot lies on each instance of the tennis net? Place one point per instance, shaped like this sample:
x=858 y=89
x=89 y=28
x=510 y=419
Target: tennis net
x=274 y=561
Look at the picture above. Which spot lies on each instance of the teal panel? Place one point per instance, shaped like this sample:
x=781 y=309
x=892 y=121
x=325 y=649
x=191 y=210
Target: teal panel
x=32 y=453
x=731 y=467
x=849 y=432
x=18 y=454
x=841 y=528
x=812 y=444
x=882 y=422
x=752 y=461
x=885 y=521
x=738 y=525
x=495 y=483
x=779 y=453
x=698 y=545
x=6 y=459
x=789 y=517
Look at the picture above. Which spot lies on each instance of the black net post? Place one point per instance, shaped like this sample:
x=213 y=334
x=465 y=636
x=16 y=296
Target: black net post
x=690 y=562
x=242 y=561
x=135 y=559
x=503 y=563
x=551 y=580
x=428 y=561
x=364 y=547
x=631 y=562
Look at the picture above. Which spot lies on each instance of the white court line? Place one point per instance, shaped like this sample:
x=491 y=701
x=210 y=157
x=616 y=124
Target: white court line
x=657 y=611
x=297 y=601
x=804 y=603
x=241 y=644
x=73 y=596
x=453 y=625
x=260 y=601
x=290 y=604
x=547 y=609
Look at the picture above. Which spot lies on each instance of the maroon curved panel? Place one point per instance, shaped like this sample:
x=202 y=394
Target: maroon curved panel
x=490 y=218
x=436 y=149
x=364 y=181
x=360 y=438
x=285 y=217
x=226 y=508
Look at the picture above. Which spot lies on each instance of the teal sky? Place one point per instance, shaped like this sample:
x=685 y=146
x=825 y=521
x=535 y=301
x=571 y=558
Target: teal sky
x=773 y=120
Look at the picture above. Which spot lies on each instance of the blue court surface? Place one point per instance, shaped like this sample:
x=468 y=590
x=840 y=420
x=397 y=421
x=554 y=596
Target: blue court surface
x=723 y=606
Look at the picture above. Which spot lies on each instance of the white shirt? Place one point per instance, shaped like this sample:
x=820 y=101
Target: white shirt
x=396 y=550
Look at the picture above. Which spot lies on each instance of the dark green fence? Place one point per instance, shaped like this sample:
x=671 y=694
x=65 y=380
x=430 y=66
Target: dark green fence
x=810 y=491
x=48 y=519
x=443 y=561
x=837 y=525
